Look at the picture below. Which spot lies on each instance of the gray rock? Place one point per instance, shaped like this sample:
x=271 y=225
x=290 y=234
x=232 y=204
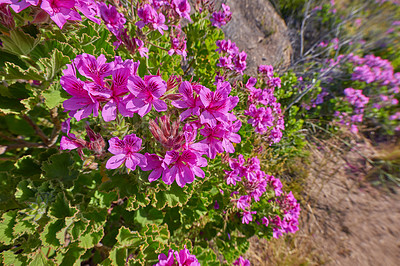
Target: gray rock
x=257 y=29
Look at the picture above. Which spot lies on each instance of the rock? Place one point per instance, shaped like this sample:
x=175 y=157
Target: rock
x=257 y=29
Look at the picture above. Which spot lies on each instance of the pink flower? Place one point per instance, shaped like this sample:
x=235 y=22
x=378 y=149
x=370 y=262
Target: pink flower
x=81 y=104
x=166 y=261
x=143 y=51
x=94 y=68
x=147 y=92
x=217 y=104
x=187 y=101
x=126 y=151
x=247 y=217
x=182 y=7
x=265 y=221
x=184 y=258
x=19 y=5
x=112 y=18
x=185 y=166
x=222 y=17
x=60 y=11
x=154 y=162
x=243 y=202
x=241 y=262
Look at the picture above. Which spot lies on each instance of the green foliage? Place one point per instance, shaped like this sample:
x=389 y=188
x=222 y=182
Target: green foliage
x=65 y=208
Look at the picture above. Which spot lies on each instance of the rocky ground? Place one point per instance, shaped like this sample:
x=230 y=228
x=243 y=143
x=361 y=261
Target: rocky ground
x=345 y=221
x=257 y=28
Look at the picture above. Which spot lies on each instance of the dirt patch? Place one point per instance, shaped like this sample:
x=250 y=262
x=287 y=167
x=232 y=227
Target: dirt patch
x=345 y=221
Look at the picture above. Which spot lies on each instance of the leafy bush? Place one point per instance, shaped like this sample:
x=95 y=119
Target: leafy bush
x=158 y=159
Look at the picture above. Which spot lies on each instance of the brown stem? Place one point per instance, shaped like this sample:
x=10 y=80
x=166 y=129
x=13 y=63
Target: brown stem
x=56 y=129
x=159 y=47
x=37 y=129
x=190 y=65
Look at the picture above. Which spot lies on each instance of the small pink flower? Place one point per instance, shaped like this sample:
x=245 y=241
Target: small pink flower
x=126 y=151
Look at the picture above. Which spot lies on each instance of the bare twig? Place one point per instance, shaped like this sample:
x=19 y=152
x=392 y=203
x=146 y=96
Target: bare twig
x=37 y=129
x=56 y=129
x=159 y=47
x=303 y=24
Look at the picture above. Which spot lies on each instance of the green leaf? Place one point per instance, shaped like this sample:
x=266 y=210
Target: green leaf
x=60 y=166
x=14 y=72
x=10 y=258
x=90 y=239
x=126 y=238
x=6 y=227
x=148 y=215
x=18 y=42
x=24 y=227
x=54 y=96
x=27 y=167
x=176 y=196
x=40 y=260
x=16 y=91
x=61 y=207
x=19 y=126
x=118 y=256
x=78 y=228
x=103 y=199
x=51 y=66
x=49 y=234
x=72 y=255
x=10 y=106
x=7 y=185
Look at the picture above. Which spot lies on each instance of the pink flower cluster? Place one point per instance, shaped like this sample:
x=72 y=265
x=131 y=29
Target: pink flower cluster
x=154 y=15
x=124 y=92
x=349 y=120
x=209 y=113
x=175 y=258
x=356 y=98
x=264 y=110
x=115 y=23
x=112 y=88
x=222 y=17
x=254 y=182
x=372 y=68
x=231 y=59
x=358 y=101
x=291 y=213
x=60 y=11
x=241 y=262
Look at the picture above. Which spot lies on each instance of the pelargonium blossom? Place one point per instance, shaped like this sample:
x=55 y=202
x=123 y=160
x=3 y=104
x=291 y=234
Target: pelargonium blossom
x=91 y=94
x=60 y=11
x=221 y=18
x=247 y=217
x=241 y=262
x=217 y=104
x=147 y=92
x=81 y=105
x=126 y=151
x=184 y=166
x=231 y=60
x=149 y=16
x=182 y=257
x=112 y=18
x=188 y=101
x=19 y=5
x=182 y=8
